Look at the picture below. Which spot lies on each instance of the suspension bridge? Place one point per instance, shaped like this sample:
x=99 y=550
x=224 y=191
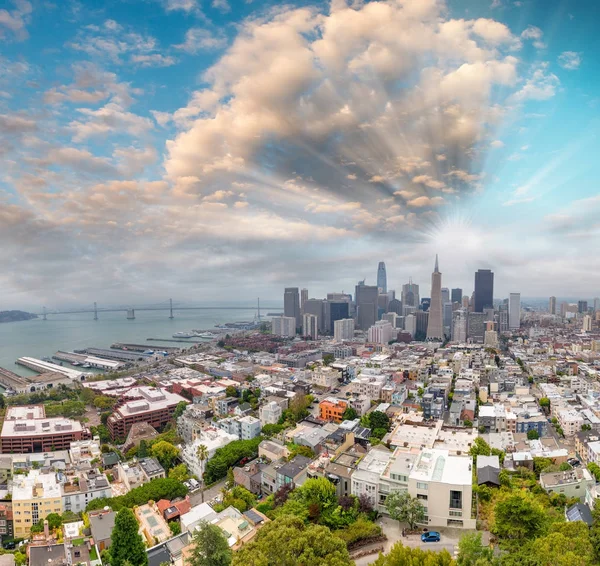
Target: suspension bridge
x=167 y=305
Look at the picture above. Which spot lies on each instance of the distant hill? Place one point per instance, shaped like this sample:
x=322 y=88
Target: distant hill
x=15 y=316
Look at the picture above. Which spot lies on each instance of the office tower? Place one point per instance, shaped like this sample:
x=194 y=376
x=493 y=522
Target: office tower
x=410 y=324
x=392 y=318
x=447 y=317
x=465 y=302
x=284 y=326
x=503 y=318
x=514 y=311
x=337 y=310
x=381 y=332
x=596 y=304
x=291 y=304
x=456 y=296
x=435 y=326
x=410 y=294
x=310 y=327
x=383 y=300
x=366 y=305
x=459 y=326
x=476 y=326
x=395 y=306
x=343 y=329
x=552 y=305
x=381 y=278
x=422 y=322
x=445 y=295
x=582 y=307
x=303 y=299
x=317 y=307
x=587 y=323
x=425 y=303
x=491 y=338
x=484 y=290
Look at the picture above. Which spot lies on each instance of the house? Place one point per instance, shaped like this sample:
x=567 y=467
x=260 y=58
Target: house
x=579 y=512
x=293 y=472
x=153 y=526
x=152 y=468
x=572 y=483
x=101 y=525
x=249 y=476
x=170 y=551
x=191 y=519
x=488 y=471
x=272 y=450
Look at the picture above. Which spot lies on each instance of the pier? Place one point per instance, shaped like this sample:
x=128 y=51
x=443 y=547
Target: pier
x=144 y=347
x=40 y=366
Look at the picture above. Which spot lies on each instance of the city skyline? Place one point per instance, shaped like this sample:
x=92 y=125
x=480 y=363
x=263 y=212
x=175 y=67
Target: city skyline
x=226 y=150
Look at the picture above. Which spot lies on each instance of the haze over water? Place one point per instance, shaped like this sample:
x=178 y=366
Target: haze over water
x=38 y=338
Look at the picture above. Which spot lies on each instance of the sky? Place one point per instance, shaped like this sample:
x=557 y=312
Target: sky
x=212 y=150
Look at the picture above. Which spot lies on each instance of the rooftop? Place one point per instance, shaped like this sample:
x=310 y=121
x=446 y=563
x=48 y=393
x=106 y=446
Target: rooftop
x=440 y=466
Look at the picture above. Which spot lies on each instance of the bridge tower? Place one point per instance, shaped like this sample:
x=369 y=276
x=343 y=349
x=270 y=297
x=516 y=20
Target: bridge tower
x=171 y=308
x=130 y=314
x=95 y=311
x=258 y=300
x=44 y=314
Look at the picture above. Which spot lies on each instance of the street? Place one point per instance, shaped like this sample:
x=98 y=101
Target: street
x=210 y=493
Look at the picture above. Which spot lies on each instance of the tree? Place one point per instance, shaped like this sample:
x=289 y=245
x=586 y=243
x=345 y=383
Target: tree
x=202 y=455
x=378 y=419
x=401 y=555
x=104 y=402
x=479 y=448
x=545 y=402
x=350 y=414
x=175 y=527
x=471 y=550
x=586 y=426
x=402 y=507
x=142 y=449
x=595 y=532
x=179 y=473
x=518 y=516
x=532 y=434
x=231 y=391
x=127 y=543
x=287 y=541
x=165 y=453
x=468 y=423
x=328 y=359
x=209 y=547
x=179 y=409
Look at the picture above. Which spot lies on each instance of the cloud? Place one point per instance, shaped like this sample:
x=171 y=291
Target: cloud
x=184 y=5
x=120 y=45
x=428 y=181
x=569 y=60
x=541 y=85
x=15 y=20
x=497 y=144
x=15 y=124
x=421 y=202
x=535 y=34
x=200 y=39
x=110 y=119
x=522 y=200
x=221 y=5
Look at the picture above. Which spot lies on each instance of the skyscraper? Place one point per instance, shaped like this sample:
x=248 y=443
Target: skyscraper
x=582 y=307
x=456 y=296
x=435 y=329
x=447 y=317
x=596 y=304
x=382 y=277
x=316 y=307
x=291 y=304
x=303 y=299
x=366 y=305
x=587 y=323
x=343 y=329
x=514 y=311
x=338 y=310
x=552 y=305
x=309 y=326
x=445 y=295
x=459 y=326
x=410 y=294
x=484 y=290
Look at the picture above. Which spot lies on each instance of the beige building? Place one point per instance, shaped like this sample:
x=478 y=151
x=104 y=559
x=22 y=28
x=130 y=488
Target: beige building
x=34 y=497
x=326 y=377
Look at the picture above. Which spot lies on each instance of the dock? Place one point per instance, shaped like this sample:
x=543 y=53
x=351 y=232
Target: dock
x=40 y=366
x=186 y=341
x=12 y=380
x=92 y=361
x=143 y=347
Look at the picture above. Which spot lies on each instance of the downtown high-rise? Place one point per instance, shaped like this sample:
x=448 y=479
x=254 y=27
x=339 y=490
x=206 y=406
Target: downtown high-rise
x=382 y=278
x=484 y=290
x=291 y=304
x=514 y=311
x=435 y=328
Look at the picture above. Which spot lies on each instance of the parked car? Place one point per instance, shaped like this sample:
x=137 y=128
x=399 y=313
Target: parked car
x=431 y=536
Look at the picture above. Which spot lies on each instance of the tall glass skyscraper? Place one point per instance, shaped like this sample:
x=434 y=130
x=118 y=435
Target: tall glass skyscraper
x=382 y=277
x=484 y=290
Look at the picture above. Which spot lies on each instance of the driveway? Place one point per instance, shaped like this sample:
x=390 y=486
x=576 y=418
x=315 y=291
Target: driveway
x=392 y=530
x=210 y=493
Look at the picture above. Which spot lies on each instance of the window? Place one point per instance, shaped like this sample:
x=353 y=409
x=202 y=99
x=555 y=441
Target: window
x=421 y=485
x=455 y=499
x=421 y=496
x=455 y=513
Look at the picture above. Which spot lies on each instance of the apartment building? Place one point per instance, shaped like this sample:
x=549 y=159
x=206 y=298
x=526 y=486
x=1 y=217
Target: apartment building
x=79 y=490
x=326 y=377
x=369 y=385
x=269 y=413
x=34 y=497
x=245 y=428
x=151 y=405
x=26 y=429
x=570 y=421
x=213 y=439
x=332 y=409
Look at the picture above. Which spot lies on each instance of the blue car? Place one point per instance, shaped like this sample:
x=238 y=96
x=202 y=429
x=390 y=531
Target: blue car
x=431 y=536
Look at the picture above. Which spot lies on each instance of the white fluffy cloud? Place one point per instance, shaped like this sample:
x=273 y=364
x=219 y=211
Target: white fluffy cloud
x=569 y=60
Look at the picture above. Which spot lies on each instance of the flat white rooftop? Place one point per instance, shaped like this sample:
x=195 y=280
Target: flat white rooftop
x=439 y=466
